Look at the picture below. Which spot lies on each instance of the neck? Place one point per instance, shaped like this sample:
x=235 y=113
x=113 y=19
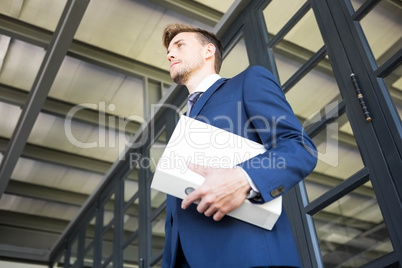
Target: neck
x=196 y=79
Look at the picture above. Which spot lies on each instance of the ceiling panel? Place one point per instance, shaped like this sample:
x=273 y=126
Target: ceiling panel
x=42 y=13
x=11 y=8
x=21 y=64
x=38 y=207
x=79 y=82
x=59 y=177
x=11 y=113
x=89 y=85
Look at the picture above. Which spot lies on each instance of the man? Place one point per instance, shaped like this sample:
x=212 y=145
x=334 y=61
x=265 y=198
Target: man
x=200 y=235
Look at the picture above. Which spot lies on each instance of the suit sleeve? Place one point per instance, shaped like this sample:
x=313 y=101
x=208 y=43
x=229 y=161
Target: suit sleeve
x=291 y=154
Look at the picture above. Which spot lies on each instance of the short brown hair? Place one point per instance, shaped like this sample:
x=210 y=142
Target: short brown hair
x=205 y=38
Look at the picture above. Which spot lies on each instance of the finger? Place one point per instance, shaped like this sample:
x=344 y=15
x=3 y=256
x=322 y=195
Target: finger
x=197 y=168
x=189 y=199
x=202 y=207
x=218 y=216
x=210 y=211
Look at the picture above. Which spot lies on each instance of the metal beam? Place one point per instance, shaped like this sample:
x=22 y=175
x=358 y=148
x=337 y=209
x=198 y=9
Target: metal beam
x=45 y=193
x=31 y=222
x=23 y=31
x=23 y=254
x=68 y=24
x=230 y=17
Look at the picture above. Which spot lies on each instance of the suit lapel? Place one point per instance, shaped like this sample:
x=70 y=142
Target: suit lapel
x=205 y=97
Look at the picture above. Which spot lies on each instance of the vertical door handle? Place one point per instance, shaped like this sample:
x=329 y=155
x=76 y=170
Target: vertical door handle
x=360 y=97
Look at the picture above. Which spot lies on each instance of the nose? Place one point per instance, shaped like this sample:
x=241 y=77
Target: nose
x=170 y=56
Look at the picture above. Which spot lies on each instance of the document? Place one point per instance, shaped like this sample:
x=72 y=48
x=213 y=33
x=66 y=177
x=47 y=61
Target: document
x=200 y=143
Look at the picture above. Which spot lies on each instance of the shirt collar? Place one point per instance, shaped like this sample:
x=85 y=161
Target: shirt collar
x=207 y=82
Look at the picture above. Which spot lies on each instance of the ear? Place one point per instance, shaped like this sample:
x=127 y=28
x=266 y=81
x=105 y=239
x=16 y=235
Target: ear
x=210 y=51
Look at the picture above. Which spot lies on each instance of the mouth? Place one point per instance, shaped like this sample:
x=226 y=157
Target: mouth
x=173 y=63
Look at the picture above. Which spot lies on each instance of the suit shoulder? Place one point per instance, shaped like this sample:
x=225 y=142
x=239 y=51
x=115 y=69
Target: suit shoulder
x=257 y=70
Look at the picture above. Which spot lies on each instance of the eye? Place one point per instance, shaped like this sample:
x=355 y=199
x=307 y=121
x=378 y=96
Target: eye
x=180 y=44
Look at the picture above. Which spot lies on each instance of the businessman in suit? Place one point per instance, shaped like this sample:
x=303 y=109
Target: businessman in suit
x=251 y=105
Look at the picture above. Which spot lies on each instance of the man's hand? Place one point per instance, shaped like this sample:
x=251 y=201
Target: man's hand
x=223 y=190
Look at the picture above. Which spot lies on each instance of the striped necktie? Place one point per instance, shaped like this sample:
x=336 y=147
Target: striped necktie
x=192 y=99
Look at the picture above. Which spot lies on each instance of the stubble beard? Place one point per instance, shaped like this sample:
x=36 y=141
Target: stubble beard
x=183 y=74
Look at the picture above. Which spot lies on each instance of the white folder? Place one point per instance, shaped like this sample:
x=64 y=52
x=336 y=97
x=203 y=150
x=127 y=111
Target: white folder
x=203 y=144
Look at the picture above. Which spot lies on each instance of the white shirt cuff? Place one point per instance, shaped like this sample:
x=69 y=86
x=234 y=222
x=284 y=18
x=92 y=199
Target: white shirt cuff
x=254 y=191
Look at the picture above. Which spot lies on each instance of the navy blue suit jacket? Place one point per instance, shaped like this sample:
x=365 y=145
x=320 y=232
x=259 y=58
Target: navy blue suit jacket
x=251 y=105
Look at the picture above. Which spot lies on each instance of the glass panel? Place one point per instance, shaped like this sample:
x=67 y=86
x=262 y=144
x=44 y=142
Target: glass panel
x=156 y=152
x=59 y=263
x=351 y=231
x=107 y=232
x=318 y=88
x=393 y=82
x=383 y=30
x=338 y=157
x=357 y=4
x=158 y=234
x=131 y=213
x=236 y=61
x=108 y=211
x=74 y=251
x=299 y=44
x=165 y=89
x=89 y=243
x=131 y=180
x=279 y=12
x=157 y=200
x=154 y=95
x=107 y=247
x=88 y=258
x=130 y=254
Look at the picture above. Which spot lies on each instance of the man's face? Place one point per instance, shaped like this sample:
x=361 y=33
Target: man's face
x=185 y=56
